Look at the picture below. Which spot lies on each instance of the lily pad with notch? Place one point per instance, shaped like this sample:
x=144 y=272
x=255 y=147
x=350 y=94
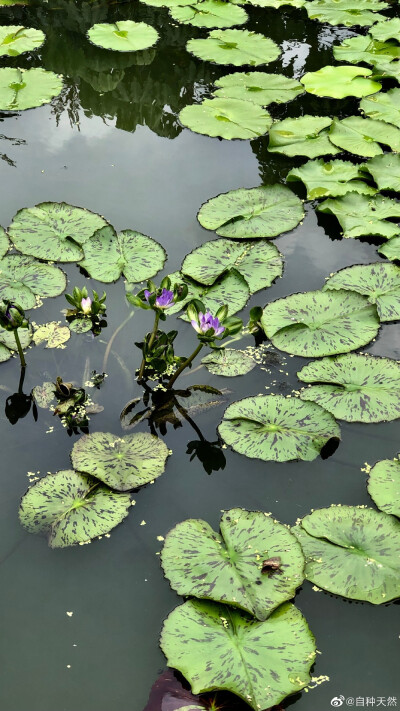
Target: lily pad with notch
x=237 y=47
x=379 y=282
x=346 y=12
x=218 y=647
x=279 y=429
x=363 y=136
x=229 y=362
x=71 y=508
x=22 y=89
x=363 y=48
x=209 y=13
x=353 y=552
x=335 y=178
x=361 y=215
x=8 y=345
x=320 y=323
x=123 y=35
x=303 y=136
x=226 y=118
x=384 y=106
x=249 y=213
x=339 y=82
x=259 y=87
x=385 y=170
x=389 y=29
x=354 y=387
x=123 y=463
x=231 y=288
x=24 y=279
x=16 y=39
x=384 y=485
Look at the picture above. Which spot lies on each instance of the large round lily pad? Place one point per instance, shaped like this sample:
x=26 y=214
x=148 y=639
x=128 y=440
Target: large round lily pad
x=247 y=213
x=229 y=362
x=362 y=136
x=54 y=230
x=228 y=567
x=384 y=106
x=209 y=13
x=237 y=47
x=353 y=552
x=226 y=118
x=259 y=262
x=363 y=48
x=303 y=136
x=23 y=279
x=339 y=82
x=258 y=87
x=26 y=88
x=218 y=647
x=123 y=35
x=335 y=178
x=379 y=282
x=320 y=323
x=231 y=289
x=7 y=342
x=276 y=428
x=71 y=508
x=16 y=39
x=360 y=216
x=385 y=170
x=123 y=463
x=346 y=12
x=354 y=387
x=384 y=485
x=108 y=255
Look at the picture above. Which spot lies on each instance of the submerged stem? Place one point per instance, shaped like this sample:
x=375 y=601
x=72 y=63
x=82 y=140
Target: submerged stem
x=19 y=348
x=184 y=365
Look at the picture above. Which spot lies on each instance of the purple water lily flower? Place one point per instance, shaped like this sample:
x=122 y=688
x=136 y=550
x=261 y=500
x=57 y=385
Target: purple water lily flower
x=86 y=305
x=165 y=299
x=207 y=321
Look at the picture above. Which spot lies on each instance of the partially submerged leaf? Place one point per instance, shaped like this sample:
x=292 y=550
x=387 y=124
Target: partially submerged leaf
x=276 y=428
x=16 y=39
x=209 y=13
x=200 y=563
x=237 y=47
x=24 y=279
x=304 y=136
x=346 y=12
x=384 y=106
x=320 y=323
x=340 y=82
x=123 y=463
x=229 y=362
x=258 y=87
x=249 y=213
x=44 y=395
x=226 y=118
x=336 y=178
x=385 y=170
x=360 y=216
x=363 y=48
x=362 y=136
x=353 y=552
x=71 y=508
x=384 y=485
x=123 y=35
x=22 y=89
x=218 y=647
x=379 y=282
x=53 y=334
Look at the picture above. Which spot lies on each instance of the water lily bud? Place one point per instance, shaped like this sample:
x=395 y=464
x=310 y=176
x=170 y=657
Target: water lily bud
x=12 y=316
x=86 y=305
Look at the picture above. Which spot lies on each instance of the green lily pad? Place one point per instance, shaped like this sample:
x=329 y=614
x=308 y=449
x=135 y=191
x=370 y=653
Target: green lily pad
x=7 y=342
x=4 y=243
x=385 y=170
x=389 y=69
x=259 y=262
x=228 y=567
x=384 y=485
x=379 y=282
x=277 y=3
x=22 y=89
x=226 y=118
x=229 y=362
x=123 y=36
x=249 y=213
x=71 y=508
x=258 y=87
x=391 y=250
x=218 y=647
x=340 y=82
x=361 y=216
x=353 y=552
x=24 y=279
x=231 y=288
x=365 y=49
x=362 y=136
x=44 y=395
x=346 y=12
x=336 y=178
x=209 y=13
x=304 y=136
x=54 y=230
x=123 y=463
x=53 y=334
x=80 y=325
x=276 y=428
x=108 y=255
x=167 y=3
x=354 y=387
x=384 y=106
x=320 y=323
x=16 y=39
x=389 y=29
x=235 y=47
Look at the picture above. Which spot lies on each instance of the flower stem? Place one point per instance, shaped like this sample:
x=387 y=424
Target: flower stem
x=19 y=347
x=151 y=341
x=184 y=365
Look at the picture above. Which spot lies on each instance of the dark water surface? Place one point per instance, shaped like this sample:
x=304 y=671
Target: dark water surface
x=112 y=143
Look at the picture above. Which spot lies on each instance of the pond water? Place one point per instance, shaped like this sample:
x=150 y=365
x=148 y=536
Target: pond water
x=112 y=142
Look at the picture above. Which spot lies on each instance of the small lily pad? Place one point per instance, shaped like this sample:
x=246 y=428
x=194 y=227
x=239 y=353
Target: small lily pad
x=385 y=170
x=123 y=463
x=16 y=39
x=231 y=288
x=353 y=552
x=384 y=106
x=22 y=89
x=80 y=325
x=363 y=48
x=259 y=262
x=71 y=508
x=44 y=395
x=276 y=428
x=335 y=178
x=384 y=485
x=53 y=334
x=360 y=216
x=391 y=250
x=237 y=47
x=320 y=323
x=346 y=12
x=379 y=282
x=218 y=647
x=228 y=567
x=24 y=279
x=354 y=387
x=226 y=118
x=362 y=136
x=258 y=87
x=249 y=213
x=229 y=362
x=304 y=136
x=7 y=342
x=123 y=35
x=209 y=13
x=339 y=82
